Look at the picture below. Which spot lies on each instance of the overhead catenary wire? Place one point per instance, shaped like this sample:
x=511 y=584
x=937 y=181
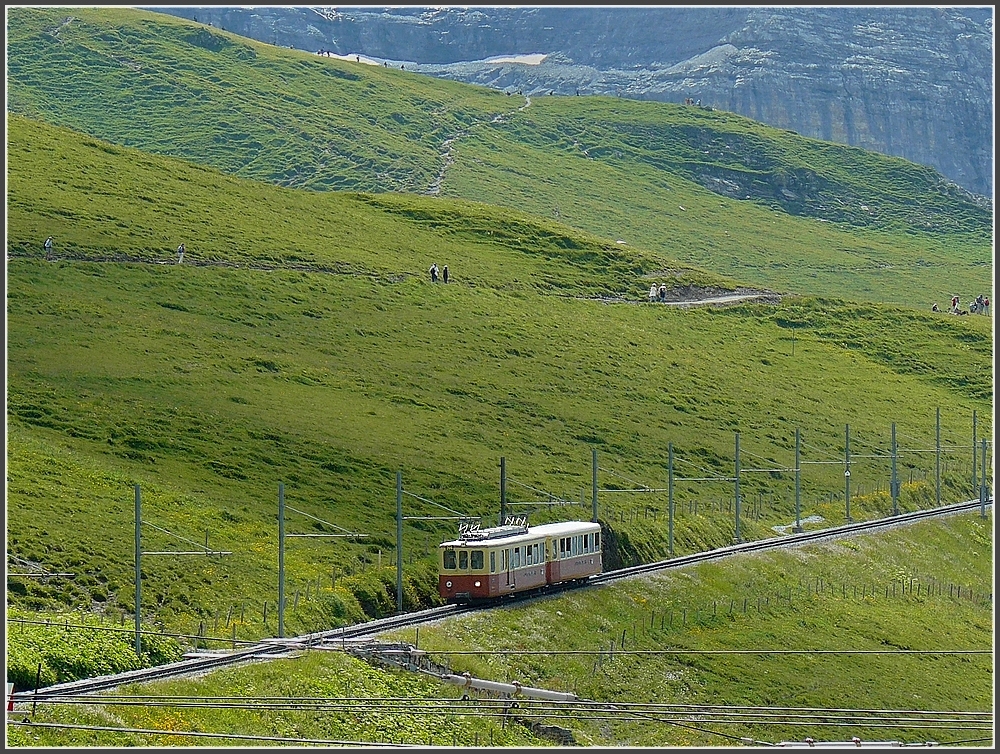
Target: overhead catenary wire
x=539 y=491
x=713 y=476
x=431 y=502
x=204 y=548
x=131 y=631
x=581 y=710
x=347 y=532
x=638 y=484
x=201 y=734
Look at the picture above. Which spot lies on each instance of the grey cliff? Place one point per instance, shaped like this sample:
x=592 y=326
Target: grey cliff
x=912 y=82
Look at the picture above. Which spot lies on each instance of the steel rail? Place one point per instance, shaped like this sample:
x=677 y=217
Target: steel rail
x=806 y=537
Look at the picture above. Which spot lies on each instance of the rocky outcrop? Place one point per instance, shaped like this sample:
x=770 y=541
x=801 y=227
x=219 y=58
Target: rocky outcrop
x=912 y=82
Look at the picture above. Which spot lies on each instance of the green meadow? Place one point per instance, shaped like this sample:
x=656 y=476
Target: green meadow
x=705 y=188
x=771 y=647
x=302 y=343
x=331 y=367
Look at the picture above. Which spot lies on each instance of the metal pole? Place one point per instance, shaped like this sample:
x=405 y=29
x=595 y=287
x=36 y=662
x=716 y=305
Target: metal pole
x=281 y=560
x=975 y=475
x=894 y=481
x=503 y=490
x=937 y=445
x=983 y=490
x=847 y=470
x=738 y=539
x=798 y=486
x=593 y=484
x=399 y=541
x=138 y=565
x=670 y=498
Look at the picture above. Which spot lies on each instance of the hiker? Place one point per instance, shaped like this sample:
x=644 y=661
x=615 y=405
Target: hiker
x=180 y=253
x=48 y=247
x=445 y=274
x=986 y=306
x=954 y=303
x=663 y=292
x=935 y=308
x=434 y=272
x=652 y=293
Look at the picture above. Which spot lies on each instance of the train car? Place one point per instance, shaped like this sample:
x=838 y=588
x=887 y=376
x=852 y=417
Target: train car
x=486 y=564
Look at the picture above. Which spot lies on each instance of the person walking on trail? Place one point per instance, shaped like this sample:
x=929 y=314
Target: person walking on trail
x=180 y=253
x=954 y=303
x=444 y=274
x=652 y=293
x=48 y=247
x=434 y=272
x=663 y=292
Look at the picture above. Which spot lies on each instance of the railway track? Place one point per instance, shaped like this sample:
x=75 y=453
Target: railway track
x=266 y=648
x=788 y=540
x=277 y=647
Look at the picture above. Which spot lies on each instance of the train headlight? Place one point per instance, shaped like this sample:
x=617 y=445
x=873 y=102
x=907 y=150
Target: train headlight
x=448 y=584
x=479 y=584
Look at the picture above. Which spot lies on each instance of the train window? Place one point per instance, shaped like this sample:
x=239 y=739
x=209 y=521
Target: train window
x=493 y=561
x=463 y=559
x=597 y=541
x=476 y=559
x=586 y=543
x=517 y=557
x=449 y=560
x=562 y=547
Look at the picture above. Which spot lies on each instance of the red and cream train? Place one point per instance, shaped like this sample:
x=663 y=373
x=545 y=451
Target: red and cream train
x=486 y=564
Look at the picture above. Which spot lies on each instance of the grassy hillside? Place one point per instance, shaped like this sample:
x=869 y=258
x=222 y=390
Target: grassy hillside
x=330 y=362
x=808 y=642
x=857 y=595
x=890 y=234
x=709 y=189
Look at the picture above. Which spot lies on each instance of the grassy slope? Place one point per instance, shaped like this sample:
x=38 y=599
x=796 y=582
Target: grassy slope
x=624 y=194
x=702 y=608
x=617 y=168
x=209 y=384
x=684 y=610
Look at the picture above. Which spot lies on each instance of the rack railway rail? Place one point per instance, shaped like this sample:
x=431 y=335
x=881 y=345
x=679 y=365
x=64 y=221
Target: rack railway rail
x=278 y=647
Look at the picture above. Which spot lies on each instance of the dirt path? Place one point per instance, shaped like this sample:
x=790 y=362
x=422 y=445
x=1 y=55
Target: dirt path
x=447 y=156
x=679 y=296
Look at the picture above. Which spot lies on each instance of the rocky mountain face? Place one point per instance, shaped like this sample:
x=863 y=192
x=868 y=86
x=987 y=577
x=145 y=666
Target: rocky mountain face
x=913 y=82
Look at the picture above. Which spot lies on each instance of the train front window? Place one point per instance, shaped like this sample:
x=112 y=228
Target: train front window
x=463 y=559
x=449 y=560
x=476 y=560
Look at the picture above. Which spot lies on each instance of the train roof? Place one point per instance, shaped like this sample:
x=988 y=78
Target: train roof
x=512 y=535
